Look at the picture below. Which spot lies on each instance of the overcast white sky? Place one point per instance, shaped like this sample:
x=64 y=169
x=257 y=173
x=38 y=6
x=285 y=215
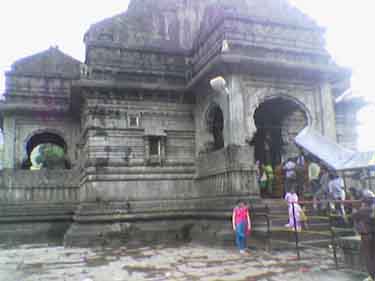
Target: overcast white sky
x=27 y=27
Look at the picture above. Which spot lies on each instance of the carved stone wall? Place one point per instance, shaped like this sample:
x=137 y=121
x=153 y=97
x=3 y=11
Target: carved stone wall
x=118 y=166
x=347 y=122
x=291 y=126
x=107 y=123
x=205 y=99
x=37 y=206
x=174 y=24
x=228 y=171
x=27 y=187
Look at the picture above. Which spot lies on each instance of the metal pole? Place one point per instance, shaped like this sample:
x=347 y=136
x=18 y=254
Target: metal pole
x=370 y=179
x=333 y=241
x=345 y=181
x=296 y=232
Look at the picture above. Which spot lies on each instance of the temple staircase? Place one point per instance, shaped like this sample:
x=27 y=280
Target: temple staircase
x=269 y=223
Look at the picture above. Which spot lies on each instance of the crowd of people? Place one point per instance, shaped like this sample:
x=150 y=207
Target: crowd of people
x=309 y=179
x=306 y=178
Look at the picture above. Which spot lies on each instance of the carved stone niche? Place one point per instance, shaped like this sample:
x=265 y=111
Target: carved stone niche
x=134 y=120
x=155 y=149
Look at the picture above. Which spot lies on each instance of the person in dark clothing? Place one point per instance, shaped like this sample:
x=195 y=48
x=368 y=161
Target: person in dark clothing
x=364 y=221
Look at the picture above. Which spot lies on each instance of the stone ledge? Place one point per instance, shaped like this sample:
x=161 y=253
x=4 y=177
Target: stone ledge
x=351 y=247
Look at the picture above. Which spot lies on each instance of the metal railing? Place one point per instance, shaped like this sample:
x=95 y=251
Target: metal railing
x=338 y=225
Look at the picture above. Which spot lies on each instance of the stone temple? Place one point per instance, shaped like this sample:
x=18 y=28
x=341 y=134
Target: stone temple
x=153 y=149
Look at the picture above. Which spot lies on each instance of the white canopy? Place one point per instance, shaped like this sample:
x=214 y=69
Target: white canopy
x=331 y=153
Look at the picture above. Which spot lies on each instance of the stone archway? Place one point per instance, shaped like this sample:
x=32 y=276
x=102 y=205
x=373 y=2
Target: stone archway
x=278 y=120
x=48 y=139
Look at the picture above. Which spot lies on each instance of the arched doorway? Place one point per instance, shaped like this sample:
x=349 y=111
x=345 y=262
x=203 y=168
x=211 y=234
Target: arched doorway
x=215 y=125
x=46 y=150
x=278 y=122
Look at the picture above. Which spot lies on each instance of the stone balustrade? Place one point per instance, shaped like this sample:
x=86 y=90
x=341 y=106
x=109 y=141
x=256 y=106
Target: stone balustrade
x=43 y=186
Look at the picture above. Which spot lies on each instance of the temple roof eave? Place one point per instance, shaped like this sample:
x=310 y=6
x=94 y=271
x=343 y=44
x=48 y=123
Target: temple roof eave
x=29 y=108
x=331 y=73
x=109 y=85
x=62 y=76
x=240 y=63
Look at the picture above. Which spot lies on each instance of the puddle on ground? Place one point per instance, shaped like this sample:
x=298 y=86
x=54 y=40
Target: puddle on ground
x=96 y=261
x=187 y=262
x=148 y=272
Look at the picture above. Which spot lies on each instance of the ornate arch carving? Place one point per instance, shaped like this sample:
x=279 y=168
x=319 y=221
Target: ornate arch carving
x=51 y=131
x=50 y=135
x=264 y=95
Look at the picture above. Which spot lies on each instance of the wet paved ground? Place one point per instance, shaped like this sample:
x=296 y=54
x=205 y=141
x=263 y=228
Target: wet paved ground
x=190 y=262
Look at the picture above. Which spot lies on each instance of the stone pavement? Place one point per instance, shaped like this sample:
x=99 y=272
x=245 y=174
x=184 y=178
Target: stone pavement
x=190 y=262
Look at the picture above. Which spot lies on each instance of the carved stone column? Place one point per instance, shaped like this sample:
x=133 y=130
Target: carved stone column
x=328 y=108
x=236 y=116
x=9 y=130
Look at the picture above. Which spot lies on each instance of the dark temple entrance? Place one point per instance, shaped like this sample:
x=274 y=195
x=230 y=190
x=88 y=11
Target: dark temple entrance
x=278 y=122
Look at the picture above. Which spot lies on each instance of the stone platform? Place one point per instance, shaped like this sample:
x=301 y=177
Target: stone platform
x=166 y=262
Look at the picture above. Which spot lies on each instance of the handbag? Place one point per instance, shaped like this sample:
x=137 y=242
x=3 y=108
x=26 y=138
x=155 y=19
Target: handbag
x=303 y=216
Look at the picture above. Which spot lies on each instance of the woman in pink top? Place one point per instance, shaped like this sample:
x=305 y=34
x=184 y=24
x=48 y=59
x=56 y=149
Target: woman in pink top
x=241 y=224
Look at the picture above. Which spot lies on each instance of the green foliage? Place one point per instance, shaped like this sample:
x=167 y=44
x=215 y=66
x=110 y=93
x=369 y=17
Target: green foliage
x=50 y=156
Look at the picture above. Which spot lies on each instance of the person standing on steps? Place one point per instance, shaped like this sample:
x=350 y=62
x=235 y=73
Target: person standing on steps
x=241 y=224
x=321 y=195
x=270 y=177
x=336 y=190
x=313 y=177
x=289 y=169
x=300 y=175
x=364 y=223
x=294 y=210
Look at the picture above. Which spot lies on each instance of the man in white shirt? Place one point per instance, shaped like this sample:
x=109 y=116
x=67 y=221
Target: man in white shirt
x=322 y=193
x=313 y=174
x=300 y=174
x=337 y=192
x=289 y=169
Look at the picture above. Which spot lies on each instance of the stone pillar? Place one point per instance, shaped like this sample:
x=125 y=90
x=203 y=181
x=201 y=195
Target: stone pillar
x=239 y=156
x=9 y=142
x=328 y=109
x=236 y=122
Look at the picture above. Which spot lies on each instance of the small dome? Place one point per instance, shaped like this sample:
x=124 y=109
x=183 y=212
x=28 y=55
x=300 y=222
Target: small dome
x=48 y=62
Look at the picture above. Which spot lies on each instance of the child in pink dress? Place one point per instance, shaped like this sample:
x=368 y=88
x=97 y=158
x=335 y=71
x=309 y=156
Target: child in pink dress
x=292 y=198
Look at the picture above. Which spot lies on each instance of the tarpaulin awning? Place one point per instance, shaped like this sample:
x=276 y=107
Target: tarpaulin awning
x=331 y=153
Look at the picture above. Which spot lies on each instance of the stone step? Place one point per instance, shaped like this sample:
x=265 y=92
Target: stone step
x=311 y=223
x=323 y=243
x=317 y=232
x=283 y=234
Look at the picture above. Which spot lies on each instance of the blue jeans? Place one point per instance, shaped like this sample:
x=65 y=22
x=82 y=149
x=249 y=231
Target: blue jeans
x=241 y=235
